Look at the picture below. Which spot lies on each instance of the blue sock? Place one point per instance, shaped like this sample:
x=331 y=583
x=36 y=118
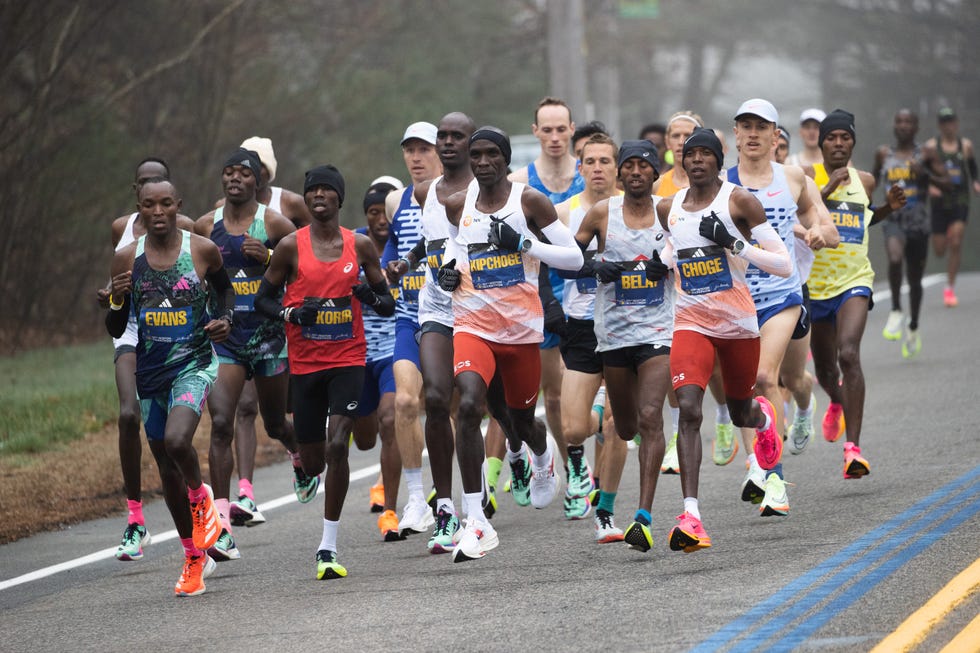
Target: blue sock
x=643 y=517
x=606 y=501
x=777 y=470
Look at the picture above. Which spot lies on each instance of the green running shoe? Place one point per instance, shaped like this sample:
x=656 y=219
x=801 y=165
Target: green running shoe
x=133 y=539
x=327 y=566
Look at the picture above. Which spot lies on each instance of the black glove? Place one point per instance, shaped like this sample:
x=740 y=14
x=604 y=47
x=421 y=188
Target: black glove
x=587 y=270
x=656 y=269
x=713 y=229
x=608 y=271
x=448 y=276
x=305 y=315
x=365 y=295
x=554 y=317
x=503 y=236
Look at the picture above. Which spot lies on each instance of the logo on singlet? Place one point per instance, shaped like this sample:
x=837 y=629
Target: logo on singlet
x=348 y=267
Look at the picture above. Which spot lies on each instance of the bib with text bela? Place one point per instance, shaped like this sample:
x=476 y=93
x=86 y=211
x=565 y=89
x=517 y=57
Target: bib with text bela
x=634 y=289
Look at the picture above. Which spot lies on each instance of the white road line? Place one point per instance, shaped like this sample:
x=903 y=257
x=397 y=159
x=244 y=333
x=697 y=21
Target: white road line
x=931 y=280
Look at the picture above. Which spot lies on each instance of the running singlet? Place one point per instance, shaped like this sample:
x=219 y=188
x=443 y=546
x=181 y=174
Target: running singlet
x=556 y=197
x=379 y=332
x=579 y=296
x=667 y=185
x=768 y=289
x=403 y=234
x=913 y=218
x=633 y=311
x=847 y=266
x=337 y=338
x=712 y=296
x=171 y=309
x=958 y=175
x=435 y=304
x=497 y=299
x=129 y=337
x=253 y=336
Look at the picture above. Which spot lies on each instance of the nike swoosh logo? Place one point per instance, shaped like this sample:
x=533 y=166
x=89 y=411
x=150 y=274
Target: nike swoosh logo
x=528 y=401
x=853 y=192
x=496 y=219
x=769 y=193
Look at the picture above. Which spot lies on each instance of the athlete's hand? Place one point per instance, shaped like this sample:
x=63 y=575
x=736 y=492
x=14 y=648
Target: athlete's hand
x=122 y=285
x=713 y=229
x=395 y=270
x=218 y=330
x=896 y=197
x=655 y=268
x=836 y=178
x=448 y=276
x=255 y=249
x=587 y=270
x=813 y=237
x=503 y=236
x=304 y=315
x=102 y=295
x=365 y=295
x=608 y=271
x=554 y=317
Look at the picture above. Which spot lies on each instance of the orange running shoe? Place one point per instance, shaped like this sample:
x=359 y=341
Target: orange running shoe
x=388 y=524
x=689 y=535
x=833 y=422
x=855 y=466
x=768 y=444
x=376 y=497
x=196 y=569
x=207 y=523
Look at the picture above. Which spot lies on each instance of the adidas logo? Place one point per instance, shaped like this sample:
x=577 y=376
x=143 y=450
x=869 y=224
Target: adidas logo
x=166 y=304
x=698 y=253
x=241 y=274
x=843 y=206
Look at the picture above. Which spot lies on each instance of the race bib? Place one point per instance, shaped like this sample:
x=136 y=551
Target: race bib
x=435 y=250
x=494 y=268
x=587 y=285
x=634 y=289
x=166 y=324
x=704 y=270
x=334 y=319
x=246 y=283
x=411 y=283
x=849 y=219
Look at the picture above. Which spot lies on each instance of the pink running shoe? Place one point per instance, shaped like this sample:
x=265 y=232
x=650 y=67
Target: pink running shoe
x=855 y=466
x=833 y=422
x=949 y=298
x=689 y=535
x=768 y=444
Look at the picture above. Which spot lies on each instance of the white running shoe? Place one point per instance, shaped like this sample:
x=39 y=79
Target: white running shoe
x=545 y=482
x=606 y=530
x=671 y=463
x=416 y=517
x=474 y=540
x=801 y=430
x=753 y=487
x=893 y=327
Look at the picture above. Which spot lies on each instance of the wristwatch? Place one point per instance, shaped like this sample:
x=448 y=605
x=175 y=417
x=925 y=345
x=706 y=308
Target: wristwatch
x=525 y=245
x=737 y=247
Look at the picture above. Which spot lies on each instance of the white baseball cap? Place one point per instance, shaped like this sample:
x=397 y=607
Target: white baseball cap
x=424 y=131
x=812 y=114
x=759 y=107
x=388 y=179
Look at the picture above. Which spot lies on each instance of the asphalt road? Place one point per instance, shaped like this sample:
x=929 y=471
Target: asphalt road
x=852 y=561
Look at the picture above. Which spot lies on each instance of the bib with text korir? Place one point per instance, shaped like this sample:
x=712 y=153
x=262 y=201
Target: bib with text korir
x=634 y=289
x=704 y=270
x=588 y=285
x=246 y=283
x=334 y=319
x=494 y=268
x=166 y=323
x=435 y=251
x=848 y=217
x=410 y=283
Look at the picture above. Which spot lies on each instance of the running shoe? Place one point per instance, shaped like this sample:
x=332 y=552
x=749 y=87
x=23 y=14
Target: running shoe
x=442 y=540
x=594 y=496
x=520 y=479
x=224 y=549
x=671 y=464
x=305 y=486
x=949 y=298
x=244 y=512
x=855 y=466
x=775 y=501
x=489 y=502
x=474 y=541
x=833 y=422
x=605 y=528
x=327 y=566
x=768 y=444
x=506 y=488
x=801 y=430
x=205 y=520
x=689 y=535
x=726 y=444
x=416 y=517
x=134 y=538
x=911 y=344
x=893 y=326
x=431 y=500
x=753 y=487
x=376 y=498
x=196 y=569
x=577 y=507
x=638 y=536
x=388 y=525
x=580 y=481
x=544 y=483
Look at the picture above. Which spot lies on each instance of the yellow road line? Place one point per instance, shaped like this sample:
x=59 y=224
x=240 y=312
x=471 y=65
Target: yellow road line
x=967 y=640
x=915 y=629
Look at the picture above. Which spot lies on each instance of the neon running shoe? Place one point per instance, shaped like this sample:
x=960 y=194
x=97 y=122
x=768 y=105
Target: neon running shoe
x=638 y=536
x=520 y=479
x=577 y=508
x=506 y=488
x=671 y=464
x=768 y=444
x=545 y=483
x=444 y=533
x=205 y=520
x=911 y=344
x=580 y=480
x=416 y=517
x=689 y=535
x=893 y=326
x=224 y=549
x=196 y=569
x=775 y=502
x=388 y=525
x=327 y=566
x=833 y=422
x=594 y=497
x=134 y=538
x=753 y=487
x=244 y=512
x=474 y=541
x=305 y=486
x=605 y=528
x=726 y=444
x=855 y=466
x=376 y=498
x=949 y=298
x=431 y=500
x=801 y=430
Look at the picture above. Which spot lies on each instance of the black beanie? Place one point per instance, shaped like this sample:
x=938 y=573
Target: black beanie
x=837 y=119
x=247 y=158
x=377 y=194
x=495 y=136
x=327 y=176
x=704 y=137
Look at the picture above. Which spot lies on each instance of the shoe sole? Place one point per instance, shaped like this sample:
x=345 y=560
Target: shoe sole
x=773 y=511
x=239 y=516
x=330 y=573
x=486 y=545
x=753 y=493
x=125 y=557
x=681 y=541
x=609 y=539
x=856 y=470
x=437 y=548
x=637 y=540
x=376 y=508
x=391 y=536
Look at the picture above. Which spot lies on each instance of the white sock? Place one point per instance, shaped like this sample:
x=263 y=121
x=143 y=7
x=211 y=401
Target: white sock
x=542 y=462
x=691 y=506
x=413 y=480
x=805 y=412
x=329 y=539
x=675 y=416
x=752 y=461
x=446 y=505
x=514 y=456
x=473 y=505
x=766 y=423
x=722 y=416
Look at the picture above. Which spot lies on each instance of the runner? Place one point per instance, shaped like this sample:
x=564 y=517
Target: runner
x=781 y=151
x=322 y=305
x=656 y=133
x=809 y=135
x=165 y=279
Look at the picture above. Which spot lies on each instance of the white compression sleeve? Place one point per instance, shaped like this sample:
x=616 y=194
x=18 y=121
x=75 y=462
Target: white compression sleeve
x=561 y=251
x=772 y=257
